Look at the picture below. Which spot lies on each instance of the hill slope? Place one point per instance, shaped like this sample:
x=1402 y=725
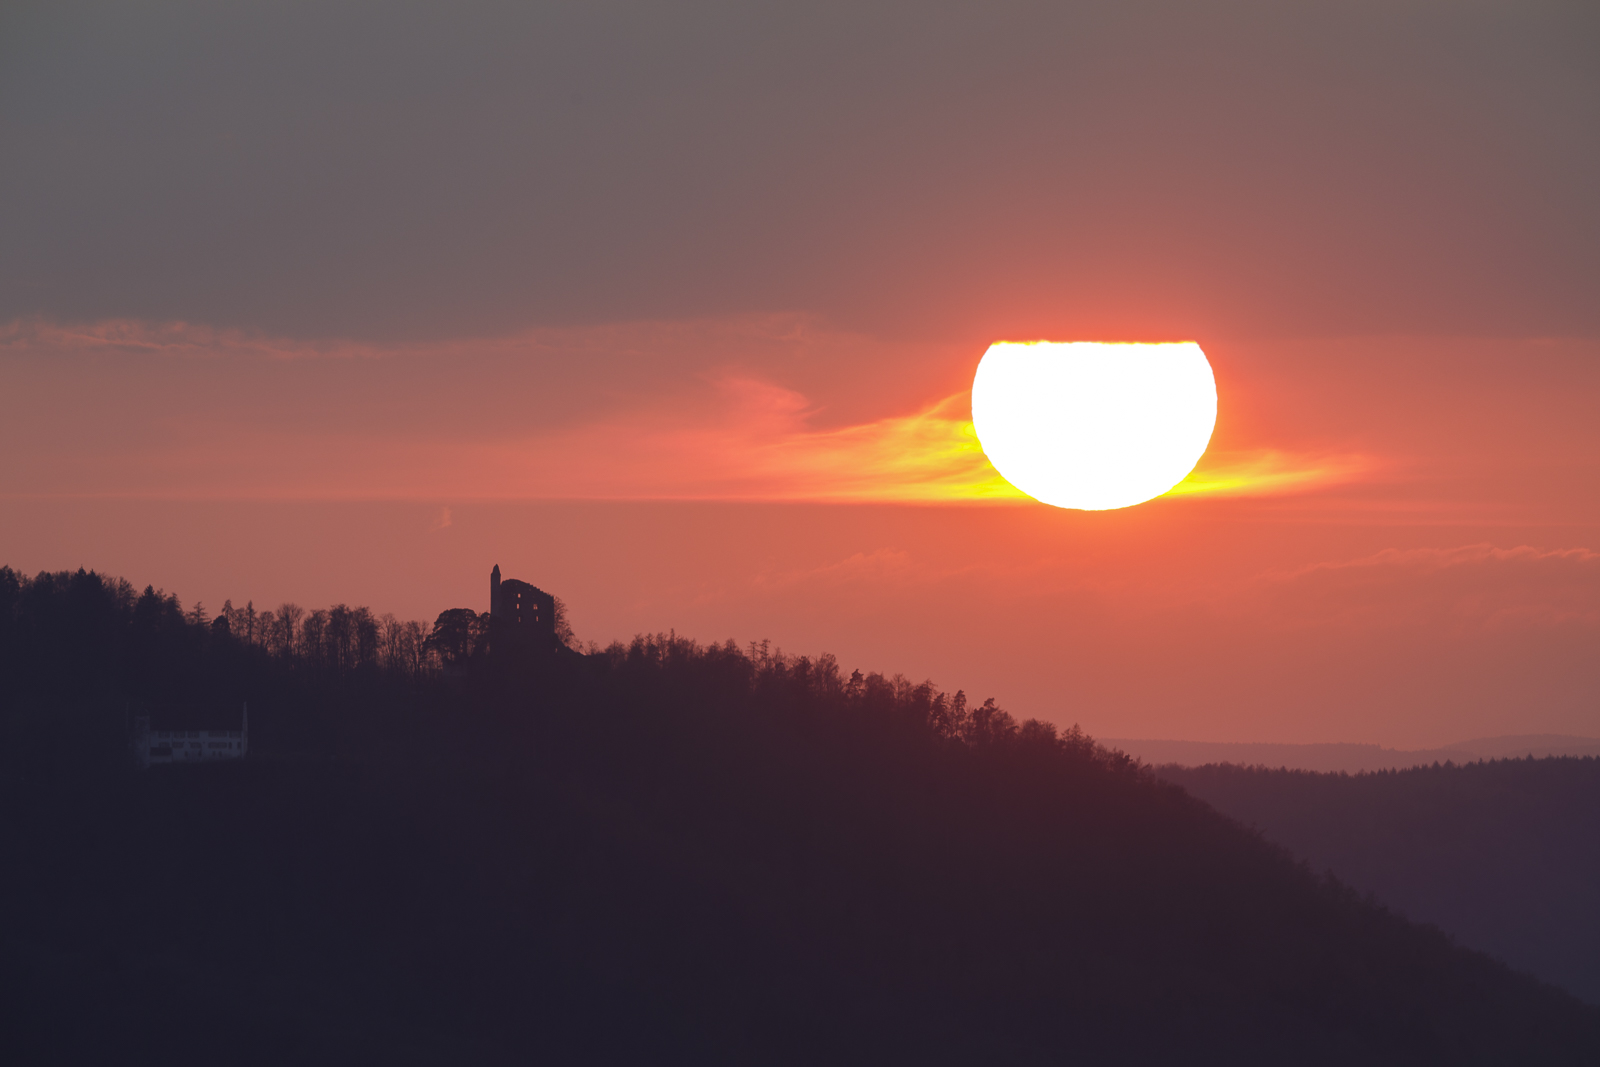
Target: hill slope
x=663 y=852
x=1504 y=855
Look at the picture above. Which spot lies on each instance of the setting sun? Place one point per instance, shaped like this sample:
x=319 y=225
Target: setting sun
x=1094 y=426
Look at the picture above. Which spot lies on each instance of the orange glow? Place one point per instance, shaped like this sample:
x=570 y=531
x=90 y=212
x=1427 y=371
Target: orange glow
x=744 y=438
x=929 y=455
x=1269 y=471
x=763 y=450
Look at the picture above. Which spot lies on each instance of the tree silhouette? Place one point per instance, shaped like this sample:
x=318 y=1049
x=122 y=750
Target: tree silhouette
x=563 y=627
x=460 y=635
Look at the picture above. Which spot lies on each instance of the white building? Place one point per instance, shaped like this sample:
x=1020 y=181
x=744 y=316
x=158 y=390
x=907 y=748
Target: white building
x=157 y=746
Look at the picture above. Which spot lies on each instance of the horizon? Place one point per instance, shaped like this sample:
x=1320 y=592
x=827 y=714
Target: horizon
x=1534 y=738
x=1346 y=757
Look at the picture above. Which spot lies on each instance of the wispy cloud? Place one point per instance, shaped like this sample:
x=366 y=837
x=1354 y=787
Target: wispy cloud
x=309 y=430
x=1270 y=472
x=170 y=339
x=1446 y=590
x=762 y=445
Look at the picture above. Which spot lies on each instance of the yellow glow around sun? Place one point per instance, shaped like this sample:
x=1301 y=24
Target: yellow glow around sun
x=1094 y=426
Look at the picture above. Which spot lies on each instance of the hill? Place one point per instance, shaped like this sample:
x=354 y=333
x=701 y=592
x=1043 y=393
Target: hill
x=1504 y=855
x=656 y=852
x=1349 y=758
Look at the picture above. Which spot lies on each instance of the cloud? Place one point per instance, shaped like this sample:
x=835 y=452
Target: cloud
x=174 y=340
x=664 y=410
x=760 y=445
x=1270 y=472
x=875 y=568
x=1477 y=587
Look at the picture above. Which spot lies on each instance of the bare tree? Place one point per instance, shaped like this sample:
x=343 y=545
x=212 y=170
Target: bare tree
x=564 y=632
x=313 y=637
x=288 y=629
x=391 y=632
x=418 y=657
x=364 y=631
x=339 y=637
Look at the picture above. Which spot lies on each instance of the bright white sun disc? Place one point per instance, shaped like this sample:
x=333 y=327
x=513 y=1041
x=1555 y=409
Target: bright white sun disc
x=1090 y=425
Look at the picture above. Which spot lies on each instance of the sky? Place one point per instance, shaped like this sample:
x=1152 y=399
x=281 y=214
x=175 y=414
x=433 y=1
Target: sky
x=673 y=310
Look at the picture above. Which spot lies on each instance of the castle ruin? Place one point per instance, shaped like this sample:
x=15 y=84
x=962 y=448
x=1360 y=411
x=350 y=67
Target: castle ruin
x=521 y=616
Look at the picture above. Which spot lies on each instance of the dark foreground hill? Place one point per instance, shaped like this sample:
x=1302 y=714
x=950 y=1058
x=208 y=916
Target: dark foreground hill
x=658 y=853
x=1504 y=854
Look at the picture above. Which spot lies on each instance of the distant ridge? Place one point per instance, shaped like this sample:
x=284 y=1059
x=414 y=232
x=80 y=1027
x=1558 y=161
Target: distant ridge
x=1350 y=757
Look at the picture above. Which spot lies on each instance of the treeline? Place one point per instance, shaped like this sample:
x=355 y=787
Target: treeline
x=48 y=616
x=767 y=672
x=81 y=654
x=55 y=618
x=340 y=637
x=78 y=643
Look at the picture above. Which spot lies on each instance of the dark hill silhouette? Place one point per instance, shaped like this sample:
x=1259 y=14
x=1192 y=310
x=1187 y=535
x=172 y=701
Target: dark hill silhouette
x=1504 y=855
x=656 y=853
x=1350 y=758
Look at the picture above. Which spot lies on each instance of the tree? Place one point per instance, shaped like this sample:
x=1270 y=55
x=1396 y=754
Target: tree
x=285 y=636
x=391 y=642
x=459 y=635
x=313 y=637
x=339 y=638
x=564 y=632
x=989 y=724
x=416 y=649
x=365 y=632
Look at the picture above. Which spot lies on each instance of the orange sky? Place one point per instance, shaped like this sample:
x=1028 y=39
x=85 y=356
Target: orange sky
x=676 y=317
x=1397 y=547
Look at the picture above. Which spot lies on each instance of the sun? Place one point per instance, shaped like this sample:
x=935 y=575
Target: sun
x=1094 y=426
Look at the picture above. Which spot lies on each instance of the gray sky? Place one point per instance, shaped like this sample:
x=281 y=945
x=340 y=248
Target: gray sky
x=390 y=170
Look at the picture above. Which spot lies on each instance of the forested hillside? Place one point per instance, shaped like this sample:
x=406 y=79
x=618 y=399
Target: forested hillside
x=657 y=852
x=1503 y=854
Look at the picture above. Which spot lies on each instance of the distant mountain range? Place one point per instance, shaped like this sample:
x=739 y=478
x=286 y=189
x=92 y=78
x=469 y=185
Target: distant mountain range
x=1350 y=757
